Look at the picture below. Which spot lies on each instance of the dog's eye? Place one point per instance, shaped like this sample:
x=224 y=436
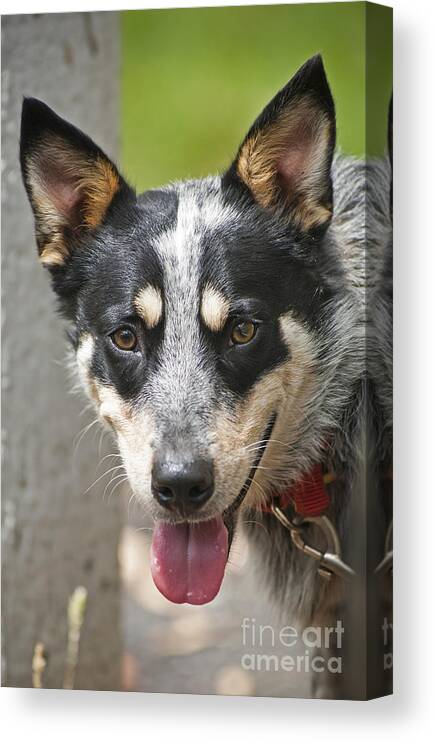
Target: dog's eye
x=243 y=333
x=124 y=339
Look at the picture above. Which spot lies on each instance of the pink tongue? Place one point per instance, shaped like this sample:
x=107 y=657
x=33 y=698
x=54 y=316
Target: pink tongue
x=188 y=560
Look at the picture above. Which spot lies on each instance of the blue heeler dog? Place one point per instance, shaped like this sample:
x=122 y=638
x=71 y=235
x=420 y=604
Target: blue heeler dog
x=220 y=328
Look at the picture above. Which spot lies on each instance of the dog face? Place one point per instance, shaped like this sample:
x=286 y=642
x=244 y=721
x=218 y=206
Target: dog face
x=197 y=312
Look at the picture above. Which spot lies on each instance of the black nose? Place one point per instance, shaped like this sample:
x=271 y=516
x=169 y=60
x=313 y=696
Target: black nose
x=182 y=486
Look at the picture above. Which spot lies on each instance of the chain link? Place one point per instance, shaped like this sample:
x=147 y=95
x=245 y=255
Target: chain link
x=330 y=562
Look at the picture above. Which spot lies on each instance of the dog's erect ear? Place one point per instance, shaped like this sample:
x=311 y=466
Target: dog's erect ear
x=69 y=181
x=286 y=157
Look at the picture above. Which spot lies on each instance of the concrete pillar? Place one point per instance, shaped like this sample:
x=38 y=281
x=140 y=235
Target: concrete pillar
x=55 y=537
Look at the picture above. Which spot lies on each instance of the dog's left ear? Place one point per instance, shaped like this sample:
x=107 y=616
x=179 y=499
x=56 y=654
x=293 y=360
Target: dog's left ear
x=285 y=159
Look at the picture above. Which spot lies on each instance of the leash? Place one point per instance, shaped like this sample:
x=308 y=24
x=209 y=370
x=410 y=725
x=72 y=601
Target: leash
x=309 y=500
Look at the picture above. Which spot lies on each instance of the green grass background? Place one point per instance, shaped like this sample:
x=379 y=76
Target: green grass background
x=193 y=80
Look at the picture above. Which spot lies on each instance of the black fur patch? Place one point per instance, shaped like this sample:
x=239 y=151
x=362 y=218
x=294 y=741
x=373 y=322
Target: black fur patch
x=264 y=265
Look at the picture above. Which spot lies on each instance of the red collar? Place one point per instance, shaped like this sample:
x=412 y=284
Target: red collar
x=308 y=496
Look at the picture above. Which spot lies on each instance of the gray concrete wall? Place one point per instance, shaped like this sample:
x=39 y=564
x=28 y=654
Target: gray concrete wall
x=55 y=536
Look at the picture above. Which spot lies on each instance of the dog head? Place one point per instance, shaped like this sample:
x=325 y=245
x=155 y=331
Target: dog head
x=197 y=311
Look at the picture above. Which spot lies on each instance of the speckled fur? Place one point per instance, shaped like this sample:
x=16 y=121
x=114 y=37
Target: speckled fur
x=318 y=366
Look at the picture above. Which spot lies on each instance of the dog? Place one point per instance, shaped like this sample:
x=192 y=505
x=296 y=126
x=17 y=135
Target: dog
x=219 y=328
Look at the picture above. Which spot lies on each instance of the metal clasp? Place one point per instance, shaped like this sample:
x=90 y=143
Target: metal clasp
x=330 y=560
x=386 y=563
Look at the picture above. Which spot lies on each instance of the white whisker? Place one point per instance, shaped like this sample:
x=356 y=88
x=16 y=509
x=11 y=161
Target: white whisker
x=114 y=468
x=108 y=456
x=112 y=491
x=82 y=433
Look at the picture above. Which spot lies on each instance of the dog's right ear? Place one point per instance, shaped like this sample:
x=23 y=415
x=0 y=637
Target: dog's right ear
x=70 y=182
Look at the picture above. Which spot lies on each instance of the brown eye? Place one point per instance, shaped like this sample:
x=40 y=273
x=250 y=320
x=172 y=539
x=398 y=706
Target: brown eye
x=243 y=333
x=124 y=339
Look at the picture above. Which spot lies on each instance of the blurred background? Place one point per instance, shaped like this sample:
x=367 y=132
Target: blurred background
x=194 y=80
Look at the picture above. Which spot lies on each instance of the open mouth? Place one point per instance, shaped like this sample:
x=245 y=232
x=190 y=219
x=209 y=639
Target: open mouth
x=188 y=560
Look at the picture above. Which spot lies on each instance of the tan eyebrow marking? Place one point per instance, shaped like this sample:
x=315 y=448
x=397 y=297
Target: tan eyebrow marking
x=149 y=305
x=214 y=309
